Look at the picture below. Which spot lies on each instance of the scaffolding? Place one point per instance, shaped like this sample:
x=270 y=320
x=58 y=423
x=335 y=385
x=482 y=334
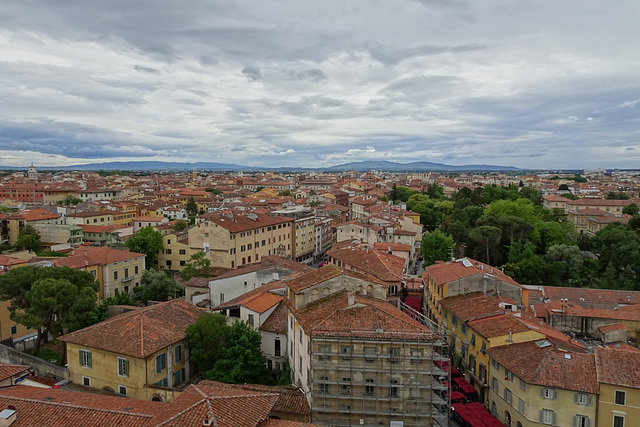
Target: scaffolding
x=375 y=378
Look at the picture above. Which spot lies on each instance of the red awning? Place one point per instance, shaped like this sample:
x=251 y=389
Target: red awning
x=446 y=366
x=456 y=395
x=481 y=413
x=467 y=416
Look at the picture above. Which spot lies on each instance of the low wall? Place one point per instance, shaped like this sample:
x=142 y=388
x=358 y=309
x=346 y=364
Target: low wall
x=42 y=368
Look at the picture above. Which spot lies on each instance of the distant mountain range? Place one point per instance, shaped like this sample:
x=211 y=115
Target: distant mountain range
x=201 y=166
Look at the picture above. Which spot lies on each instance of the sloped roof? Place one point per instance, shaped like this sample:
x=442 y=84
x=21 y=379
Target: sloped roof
x=618 y=367
x=91 y=255
x=314 y=277
x=475 y=305
x=277 y=321
x=548 y=366
x=444 y=272
x=252 y=294
x=497 y=326
x=8 y=370
x=139 y=333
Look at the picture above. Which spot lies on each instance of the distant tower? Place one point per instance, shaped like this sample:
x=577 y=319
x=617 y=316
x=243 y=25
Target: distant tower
x=194 y=174
x=32 y=173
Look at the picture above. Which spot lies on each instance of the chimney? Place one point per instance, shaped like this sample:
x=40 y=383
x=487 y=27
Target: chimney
x=8 y=416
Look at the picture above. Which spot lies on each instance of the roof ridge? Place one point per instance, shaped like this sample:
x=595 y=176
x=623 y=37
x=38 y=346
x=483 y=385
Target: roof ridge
x=93 y=408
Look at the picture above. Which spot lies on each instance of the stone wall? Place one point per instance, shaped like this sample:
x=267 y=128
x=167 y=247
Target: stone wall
x=42 y=368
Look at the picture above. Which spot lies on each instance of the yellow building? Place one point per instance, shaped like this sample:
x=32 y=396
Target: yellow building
x=117 y=271
x=15 y=222
x=141 y=353
x=536 y=384
x=233 y=239
x=90 y=218
x=125 y=214
x=619 y=400
x=175 y=251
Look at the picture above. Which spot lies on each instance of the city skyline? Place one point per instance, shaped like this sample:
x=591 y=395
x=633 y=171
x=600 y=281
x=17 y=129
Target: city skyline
x=282 y=84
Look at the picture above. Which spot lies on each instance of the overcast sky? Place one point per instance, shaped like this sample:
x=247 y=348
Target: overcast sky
x=532 y=84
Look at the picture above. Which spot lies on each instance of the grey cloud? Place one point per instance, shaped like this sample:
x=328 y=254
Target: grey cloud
x=252 y=72
x=313 y=74
x=144 y=69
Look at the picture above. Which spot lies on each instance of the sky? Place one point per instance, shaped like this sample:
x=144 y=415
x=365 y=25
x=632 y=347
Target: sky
x=533 y=84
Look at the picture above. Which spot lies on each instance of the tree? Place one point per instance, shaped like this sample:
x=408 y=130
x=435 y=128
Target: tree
x=631 y=209
x=156 y=285
x=207 y=337
x=400 y=193
x=192 y=207
x=570 y=196
x=532 y=194
x=197 y=266
x=436 y=245
x=29 y=239
x=435 y=191
x=284 y=193
x=563 y=187
x=612 y=195
x=69 y=200
x=50 y=299
x=242 y=360
x=488 y=236
x=213 y=190
x=565 y=263
x=181 y=224
x=618 y=251
x=147 y=241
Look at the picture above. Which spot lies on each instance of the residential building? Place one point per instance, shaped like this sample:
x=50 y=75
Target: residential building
x=619 y=399
x=117 y=271
x=174 y=254
x=145 y=221
x=535 y=384
x=274 y=339
x=142 y=353
x=90 y=218
x=15 y=222
x=231 y=240
x=304 y=233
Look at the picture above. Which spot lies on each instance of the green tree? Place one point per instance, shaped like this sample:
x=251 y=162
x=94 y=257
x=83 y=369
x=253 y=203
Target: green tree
x=192 y=207
x=147 y=241
x=488 y=236
x=29 y=239
x=207 y=338
x=197 y=266
x=69 y=200
x=563 y=187
x=436 y=245
x=181 y=224
x=400 y=193
x=570 y=196
x=618 y=251
x=242 y=360
x=213 y=190
x=284 y=193
x=434 y=191
x=532 y=194
x=631 y=209
x=565 y=263
x=612 y=195
x=50 y=299
x=156 y=285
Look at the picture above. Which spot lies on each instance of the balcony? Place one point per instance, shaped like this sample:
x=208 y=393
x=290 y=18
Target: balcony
x=127 y=279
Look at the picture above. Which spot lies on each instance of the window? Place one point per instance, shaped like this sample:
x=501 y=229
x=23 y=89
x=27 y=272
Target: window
x=115 y=274
x=14 y=330
x=523 y=385
x=161 y=362
x=369 y=354
x=369 y=388
x=123 y=367
x=136 y=269
x=277 y=347
x=521 y=406
x=549 y=393
x=243 y=248
x=473 y=340
x=163 y=383
x=85 y=358
x=346 y=353
x=508 y=375
x=232 y=251
x=179 y=376
x=249 y=247
x=250 y=321
x=582 y=399
x=86 y=381
x=507 y=395
x=415 y=356
x=122 y=390
x=221 y=297
x=393 y=355
x=472 y=363
x=168 y=251
x=323 y=387
x=547 y=417
x=494 y=363
x=324 y=351
x=618 y=421
x=393 y=390
x=581 y=421
x=183 y=251
x=482 y=373
x=494 y=384
x=177 y=354
x=621 y=397
x=346 y=388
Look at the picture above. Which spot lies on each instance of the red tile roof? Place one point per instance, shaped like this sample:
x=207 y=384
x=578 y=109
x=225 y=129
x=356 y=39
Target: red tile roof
x=139 y=333
x=548 y=366
x=88 y=255
x=618 y=367
x=497 y=326
x=453 y=270
x=277 y=321
x=611 y=328
x=475 y=305
x=252 y=294
x=7 y=370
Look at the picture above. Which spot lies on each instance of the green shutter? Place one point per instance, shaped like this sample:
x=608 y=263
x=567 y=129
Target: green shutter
x=126 y=367
x=89 y=358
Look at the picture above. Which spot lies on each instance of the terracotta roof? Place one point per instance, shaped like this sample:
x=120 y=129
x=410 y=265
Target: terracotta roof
x=548 y=366
x=367 y=318
x=265 y=263
x=314 y=277
x=89 y=255
x=277 y=321
x=263 y=302
x=384 y=266
x=139 y=333
x=7 y=260
x=198 y=282
x=475 y=305
x=629 y=312
x=241 y=222
x=394 y=246
x=7 y=370
x=611 y=328
x=89 y=214
x=497 y=326
x=618 y=367
x=453 y=270
x=37 y=214
x=252 y=294
x=586 y=294
x=284 y=423
x=37 y=406
x=598 y=202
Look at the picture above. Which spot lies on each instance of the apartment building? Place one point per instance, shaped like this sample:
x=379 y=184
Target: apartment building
x=619 y=399
x=304 y=232
x=142 y=353
x=535 y=384
x=174 y=253
x=117 y=271
x=234 y=239
x=90 y=218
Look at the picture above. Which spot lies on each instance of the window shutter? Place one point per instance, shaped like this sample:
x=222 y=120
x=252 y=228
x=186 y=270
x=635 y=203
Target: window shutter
x=541 y=416
x=542 y=392
x=587 y=422
x=589 y=400
x=576 y=398
x=553 y=418
x=126 y=367
x=576 y=420
x=89 y=359
x=555 y=394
